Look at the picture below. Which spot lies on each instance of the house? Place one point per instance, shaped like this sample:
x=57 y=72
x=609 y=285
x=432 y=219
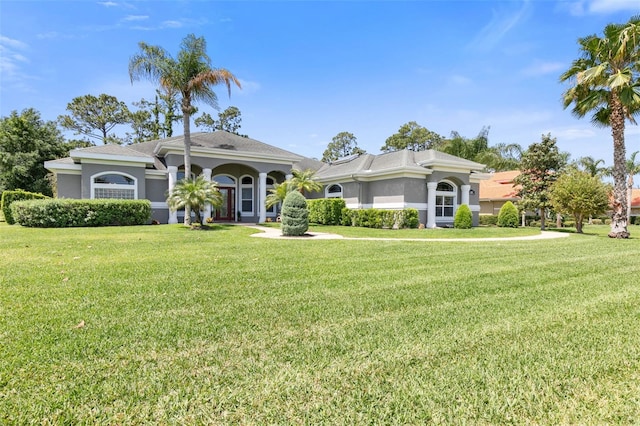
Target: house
x=245 y=169
x=497 y=190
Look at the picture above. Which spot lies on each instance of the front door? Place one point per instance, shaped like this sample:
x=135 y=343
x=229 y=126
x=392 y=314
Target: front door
x=227 y=210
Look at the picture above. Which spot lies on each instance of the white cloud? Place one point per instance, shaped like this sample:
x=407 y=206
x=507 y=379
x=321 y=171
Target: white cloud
x=108 y=3
x=501 y=23
x=12 y=43
x=460 y=80
x=11 y=60
x=543 y=68
x=131 y=18
x=248 y=87
x=172 y=24
x=595 y=7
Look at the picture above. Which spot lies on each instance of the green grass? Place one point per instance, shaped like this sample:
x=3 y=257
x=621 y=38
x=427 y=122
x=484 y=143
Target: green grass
x=215 y=327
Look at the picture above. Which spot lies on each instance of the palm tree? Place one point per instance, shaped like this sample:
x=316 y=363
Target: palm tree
x=190 y=74
x=592 y=166
x=194 y=194
x=605 y=82
x=304 y=181
x=278 y=193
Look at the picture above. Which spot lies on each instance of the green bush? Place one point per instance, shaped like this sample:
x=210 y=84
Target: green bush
x=62 y=213
x=508 y=216
x=295 y=215
x=463 y=218
x=326 y=211
x=488 y=219
x=379 y=218
x=9 y=197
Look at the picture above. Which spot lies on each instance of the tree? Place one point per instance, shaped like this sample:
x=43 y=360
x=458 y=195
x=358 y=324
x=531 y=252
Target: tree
x=591 y=166
x=413 y=137
x=190 y=75
x=579 y=194
x=194 y=194
x=26 y=142
x=501 y=157
x=465 y=148
x=143 y=126
x=295 y=215
x=605 y=81
x=342 y=145
x=540 y=167
x=168 y=103
x=303 y=181
x=228 y=120
x=278 y=193
x=95 y=117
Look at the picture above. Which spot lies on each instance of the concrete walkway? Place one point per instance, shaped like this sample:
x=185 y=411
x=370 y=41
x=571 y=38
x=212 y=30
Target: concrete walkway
x=276 y=233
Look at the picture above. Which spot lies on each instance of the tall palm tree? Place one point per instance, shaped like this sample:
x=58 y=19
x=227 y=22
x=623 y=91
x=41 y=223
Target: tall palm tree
x=191 y=75
x=195 y=194
x=592 y=166
x=605 y=82
x=304 y=181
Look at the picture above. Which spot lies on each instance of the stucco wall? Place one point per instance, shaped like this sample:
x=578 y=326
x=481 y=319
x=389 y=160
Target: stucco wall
x=156 y=189
x=89 y=170
x=68 y=186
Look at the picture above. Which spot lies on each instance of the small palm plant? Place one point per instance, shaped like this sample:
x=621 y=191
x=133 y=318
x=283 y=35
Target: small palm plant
x=304 y=181
x=194 y=194
x=278 y=193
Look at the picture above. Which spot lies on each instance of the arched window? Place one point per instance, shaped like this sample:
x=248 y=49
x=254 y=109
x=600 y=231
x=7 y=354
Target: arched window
x=246 y=195
x=333 y=191
x=114 y=185
x=446 y=199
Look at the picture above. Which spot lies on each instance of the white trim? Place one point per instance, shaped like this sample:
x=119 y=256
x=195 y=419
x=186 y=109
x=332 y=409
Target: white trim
x=242 y=186
x=94 y=186
x=111 y=158
x=453 y=194
x=54 y=167
x=159 y=205
x=328 y=194
x=474 y=207
x=224 y=154
x=390 y=205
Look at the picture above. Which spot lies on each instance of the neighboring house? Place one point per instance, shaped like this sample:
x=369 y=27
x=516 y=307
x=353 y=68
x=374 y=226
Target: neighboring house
x=635 y=203
x=497 y=190
x=245 y=169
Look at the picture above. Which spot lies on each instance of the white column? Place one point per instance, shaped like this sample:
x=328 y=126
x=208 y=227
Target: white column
x=288 y=177
x=173 y=177
x=431 y=204
x=262 y=197
x=207 y=208
x=465 y=194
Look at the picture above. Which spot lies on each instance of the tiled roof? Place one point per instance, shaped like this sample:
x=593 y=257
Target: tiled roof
x=499 y=186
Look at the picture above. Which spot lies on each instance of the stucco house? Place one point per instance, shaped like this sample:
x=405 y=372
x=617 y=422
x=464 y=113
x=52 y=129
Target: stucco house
x=245 y=169
x=497 y=190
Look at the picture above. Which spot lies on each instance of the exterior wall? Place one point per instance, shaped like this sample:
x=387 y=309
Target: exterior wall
x=156 y=189
x=69 y=186
x=89 y=170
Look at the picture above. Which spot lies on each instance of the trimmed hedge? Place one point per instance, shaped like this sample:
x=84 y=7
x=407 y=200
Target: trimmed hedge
x=326 y=211
x=508 y=216
x=379 y=218
x=295 y=215
x=9 y=197
x=488 y=219
x=463 y=218
x=63 y=213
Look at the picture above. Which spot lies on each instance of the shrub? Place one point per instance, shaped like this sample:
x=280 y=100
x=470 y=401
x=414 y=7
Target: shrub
x=379 y=218
x=463 y=218
x=9 y=197
x=326 y=211
x=508 y=216
x=488 y=219
x=62 y=213
x=295 y=216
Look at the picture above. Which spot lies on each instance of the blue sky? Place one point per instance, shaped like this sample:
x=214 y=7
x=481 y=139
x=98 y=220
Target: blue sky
x=310 y=70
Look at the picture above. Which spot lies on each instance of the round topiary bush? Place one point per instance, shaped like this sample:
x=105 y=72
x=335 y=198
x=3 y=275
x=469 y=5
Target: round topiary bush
x=464 y=218
x=295 y=215
x=508 y=216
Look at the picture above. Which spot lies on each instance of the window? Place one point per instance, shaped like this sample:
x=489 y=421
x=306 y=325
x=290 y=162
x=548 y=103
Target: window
x=270 y=182
x=333 y=191
x=246 y=194
x=114 y=185
x=446 y=196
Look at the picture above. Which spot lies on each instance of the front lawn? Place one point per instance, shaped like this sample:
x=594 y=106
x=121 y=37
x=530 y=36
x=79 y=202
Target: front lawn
x=163 y=325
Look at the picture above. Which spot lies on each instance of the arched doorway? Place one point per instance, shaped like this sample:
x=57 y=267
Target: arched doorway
x=227 y=187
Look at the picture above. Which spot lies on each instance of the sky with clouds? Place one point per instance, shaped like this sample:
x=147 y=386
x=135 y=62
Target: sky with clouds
x=312 y=69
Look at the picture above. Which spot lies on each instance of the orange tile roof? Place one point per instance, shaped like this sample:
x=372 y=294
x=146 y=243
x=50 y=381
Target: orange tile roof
x=635 y=198
x=499 y=186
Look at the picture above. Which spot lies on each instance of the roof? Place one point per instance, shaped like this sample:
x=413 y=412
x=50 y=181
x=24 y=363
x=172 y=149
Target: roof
x=499 y=186
x=422 y=162
x=222 y=141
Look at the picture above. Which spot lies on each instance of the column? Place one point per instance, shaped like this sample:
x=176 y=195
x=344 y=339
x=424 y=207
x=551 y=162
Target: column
x=288 y=177
x=173 y=177
x=207 y=208
x=262 y=196
x=464 y=189
x=431 y=204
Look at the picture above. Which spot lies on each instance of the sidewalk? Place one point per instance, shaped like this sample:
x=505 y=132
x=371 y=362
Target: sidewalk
x=277 y=234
